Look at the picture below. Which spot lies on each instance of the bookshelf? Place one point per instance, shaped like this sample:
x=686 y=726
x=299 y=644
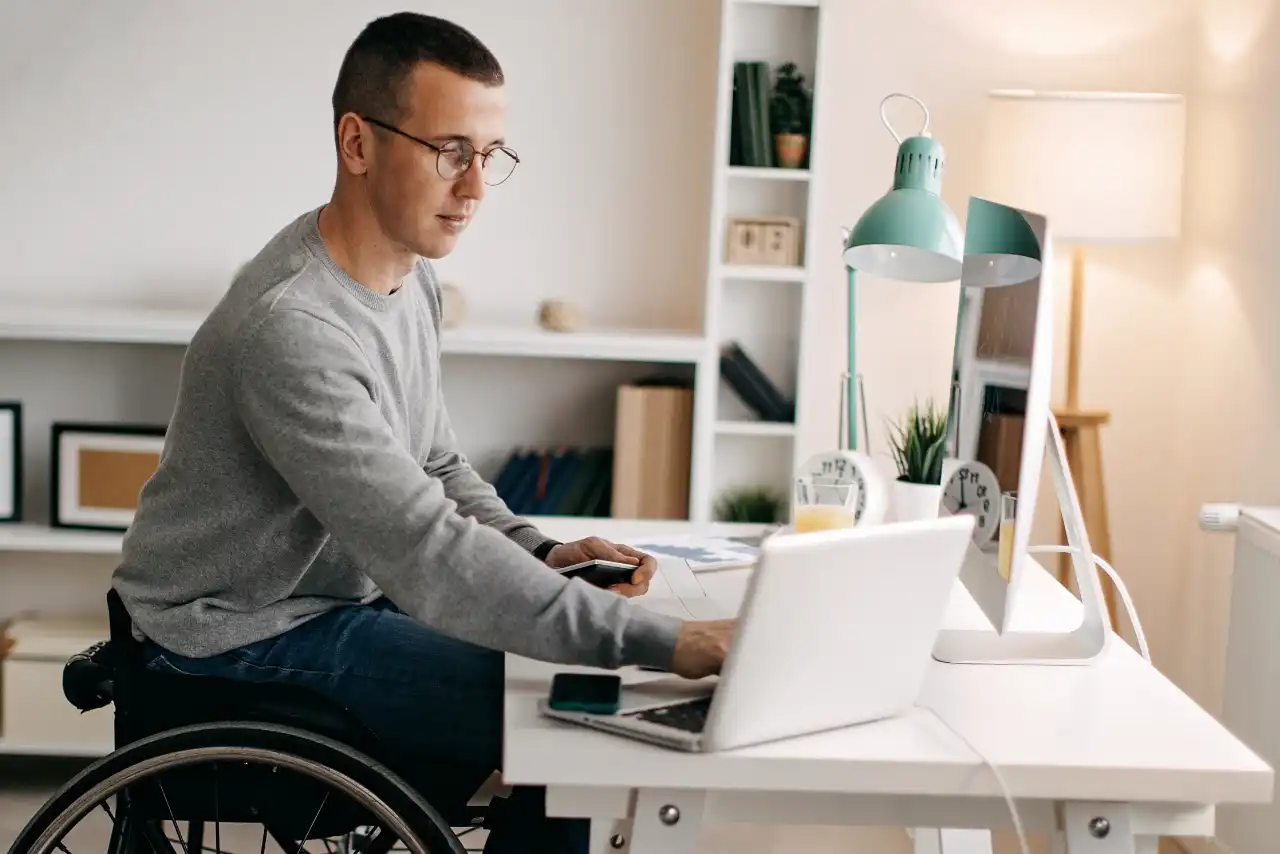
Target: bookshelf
x=762 y=308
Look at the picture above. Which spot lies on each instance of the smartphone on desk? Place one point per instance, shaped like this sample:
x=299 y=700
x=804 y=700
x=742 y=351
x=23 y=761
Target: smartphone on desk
x=598 y=694
x=601 y=573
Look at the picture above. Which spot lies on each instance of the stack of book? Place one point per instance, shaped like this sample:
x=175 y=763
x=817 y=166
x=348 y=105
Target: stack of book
x=751 y=385
x=750 y=139
x=557 y=481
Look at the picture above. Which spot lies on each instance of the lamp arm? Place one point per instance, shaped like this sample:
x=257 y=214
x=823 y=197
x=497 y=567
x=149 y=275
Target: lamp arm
x=850 y=438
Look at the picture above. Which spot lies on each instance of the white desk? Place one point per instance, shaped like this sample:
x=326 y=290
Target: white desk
x=1116 y=740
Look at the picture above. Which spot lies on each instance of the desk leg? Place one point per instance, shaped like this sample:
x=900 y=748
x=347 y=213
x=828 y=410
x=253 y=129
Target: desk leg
x=667 y=821
x=932 y=840
x=1103 y=828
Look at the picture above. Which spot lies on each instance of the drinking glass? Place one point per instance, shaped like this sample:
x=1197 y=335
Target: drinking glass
x=1008 y=515
x=823 y=504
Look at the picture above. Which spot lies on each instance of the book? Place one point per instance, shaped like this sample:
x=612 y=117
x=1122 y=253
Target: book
x=752 y=385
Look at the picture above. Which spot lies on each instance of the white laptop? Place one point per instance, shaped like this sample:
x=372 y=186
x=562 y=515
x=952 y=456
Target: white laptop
x=836 y=628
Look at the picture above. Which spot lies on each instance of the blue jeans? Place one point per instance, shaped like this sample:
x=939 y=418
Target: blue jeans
x=423 y=694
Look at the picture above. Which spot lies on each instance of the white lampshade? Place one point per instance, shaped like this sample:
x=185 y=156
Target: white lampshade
x=1103 y=167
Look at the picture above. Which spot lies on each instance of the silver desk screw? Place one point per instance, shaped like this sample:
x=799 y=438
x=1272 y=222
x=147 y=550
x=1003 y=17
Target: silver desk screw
x=1099 y=827
x=669 y=814
x=617 y=841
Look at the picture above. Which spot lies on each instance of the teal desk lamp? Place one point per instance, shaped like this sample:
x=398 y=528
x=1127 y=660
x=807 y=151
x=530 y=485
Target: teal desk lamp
x=909 y=234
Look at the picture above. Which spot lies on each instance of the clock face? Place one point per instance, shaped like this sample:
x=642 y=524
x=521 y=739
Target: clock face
x=838 y=469
x=973 y=489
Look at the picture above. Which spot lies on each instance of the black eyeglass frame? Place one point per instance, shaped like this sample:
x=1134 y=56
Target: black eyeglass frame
x=484 y=155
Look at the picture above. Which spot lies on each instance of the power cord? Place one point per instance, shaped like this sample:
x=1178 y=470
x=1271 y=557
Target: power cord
x=1119 y=583
x=995 y=772
x=1142 y=648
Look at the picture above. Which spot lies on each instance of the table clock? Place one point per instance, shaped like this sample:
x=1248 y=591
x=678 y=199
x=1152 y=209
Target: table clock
x=971 y=487
x=847 y=466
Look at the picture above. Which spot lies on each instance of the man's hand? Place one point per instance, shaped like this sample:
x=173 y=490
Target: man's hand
x=701 y=647
x=594 y=548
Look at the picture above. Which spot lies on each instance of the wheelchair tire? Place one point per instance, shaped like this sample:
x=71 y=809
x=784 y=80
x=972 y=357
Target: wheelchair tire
x=417 y=825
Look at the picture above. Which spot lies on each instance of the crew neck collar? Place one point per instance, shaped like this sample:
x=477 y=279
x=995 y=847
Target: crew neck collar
x=315 y=242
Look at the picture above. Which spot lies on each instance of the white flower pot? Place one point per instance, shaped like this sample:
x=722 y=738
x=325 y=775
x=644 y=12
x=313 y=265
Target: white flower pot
x=915 y=501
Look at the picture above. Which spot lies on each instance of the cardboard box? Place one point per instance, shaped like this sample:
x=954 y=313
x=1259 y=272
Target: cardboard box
x=653 y=444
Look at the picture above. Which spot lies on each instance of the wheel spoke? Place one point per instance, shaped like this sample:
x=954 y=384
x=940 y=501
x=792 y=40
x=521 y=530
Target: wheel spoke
x=306 y=835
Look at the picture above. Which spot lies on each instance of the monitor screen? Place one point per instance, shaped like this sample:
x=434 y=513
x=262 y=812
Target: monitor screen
x=998 y=411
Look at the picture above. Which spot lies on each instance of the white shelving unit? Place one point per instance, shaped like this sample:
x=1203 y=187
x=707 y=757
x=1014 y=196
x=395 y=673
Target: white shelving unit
x=764 y=309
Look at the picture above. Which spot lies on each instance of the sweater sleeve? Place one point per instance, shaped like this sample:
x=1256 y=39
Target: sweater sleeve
x=475 y=496
x=308 y=397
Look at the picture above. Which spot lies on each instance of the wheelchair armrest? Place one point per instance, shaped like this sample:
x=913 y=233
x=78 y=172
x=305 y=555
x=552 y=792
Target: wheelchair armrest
x=88 y=677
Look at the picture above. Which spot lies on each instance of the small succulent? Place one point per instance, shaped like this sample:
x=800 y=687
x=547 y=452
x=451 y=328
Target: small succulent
x=919 y=444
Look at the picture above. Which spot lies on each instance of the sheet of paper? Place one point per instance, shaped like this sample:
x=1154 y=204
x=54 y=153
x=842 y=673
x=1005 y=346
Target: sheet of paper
x=703 y=553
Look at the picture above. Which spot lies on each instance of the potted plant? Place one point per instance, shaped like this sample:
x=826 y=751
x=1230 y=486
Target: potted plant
x=919 y=445
x=790 y=114
x=749 y=504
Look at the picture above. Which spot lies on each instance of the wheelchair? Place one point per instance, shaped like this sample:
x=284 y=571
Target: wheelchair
x=203 y=751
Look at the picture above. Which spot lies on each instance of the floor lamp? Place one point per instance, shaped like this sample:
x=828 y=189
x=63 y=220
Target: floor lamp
x=1105 y=168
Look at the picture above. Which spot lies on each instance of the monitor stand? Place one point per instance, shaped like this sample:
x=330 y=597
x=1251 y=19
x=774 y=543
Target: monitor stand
x=1082 y=645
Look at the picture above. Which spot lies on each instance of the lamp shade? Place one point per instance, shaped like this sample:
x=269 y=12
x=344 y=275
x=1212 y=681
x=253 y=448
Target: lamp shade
x=1103 y=167
x=1000 y=247
x=909 y=234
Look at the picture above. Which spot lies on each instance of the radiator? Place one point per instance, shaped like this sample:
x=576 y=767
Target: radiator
x=1251 y=693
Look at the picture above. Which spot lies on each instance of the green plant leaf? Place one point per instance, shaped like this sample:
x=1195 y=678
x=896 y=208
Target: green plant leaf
x=918 y=444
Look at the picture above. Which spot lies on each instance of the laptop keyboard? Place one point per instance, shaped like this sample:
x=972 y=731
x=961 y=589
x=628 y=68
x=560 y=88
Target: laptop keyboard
x=690 y=716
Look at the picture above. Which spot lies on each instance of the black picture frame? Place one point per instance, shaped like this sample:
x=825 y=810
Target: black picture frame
x=56 y=431
x=14 y=410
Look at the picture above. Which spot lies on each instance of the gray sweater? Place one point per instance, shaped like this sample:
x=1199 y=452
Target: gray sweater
x=310 y=463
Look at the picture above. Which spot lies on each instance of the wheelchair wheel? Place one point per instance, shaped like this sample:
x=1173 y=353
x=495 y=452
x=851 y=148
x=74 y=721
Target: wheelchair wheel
x=219 y=780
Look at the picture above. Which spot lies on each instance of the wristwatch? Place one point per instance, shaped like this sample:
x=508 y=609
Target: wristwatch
x=544 y=548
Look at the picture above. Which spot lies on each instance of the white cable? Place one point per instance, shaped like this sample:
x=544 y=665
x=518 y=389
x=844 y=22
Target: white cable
x=995 y=772
x=924 y=131
x=1119 y=583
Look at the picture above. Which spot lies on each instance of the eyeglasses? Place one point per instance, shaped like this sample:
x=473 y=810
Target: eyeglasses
x=453 y=159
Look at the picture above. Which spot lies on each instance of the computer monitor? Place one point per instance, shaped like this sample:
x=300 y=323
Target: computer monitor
x=1000 y=428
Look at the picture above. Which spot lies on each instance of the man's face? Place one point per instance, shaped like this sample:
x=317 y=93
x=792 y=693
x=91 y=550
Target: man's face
x=416 y=206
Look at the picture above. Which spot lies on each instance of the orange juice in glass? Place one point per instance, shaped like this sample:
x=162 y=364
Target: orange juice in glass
x=1008 y=515
x=823 y=504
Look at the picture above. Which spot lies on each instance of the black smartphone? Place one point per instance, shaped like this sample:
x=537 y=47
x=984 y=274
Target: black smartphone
x=596 y=693
x=601 y=573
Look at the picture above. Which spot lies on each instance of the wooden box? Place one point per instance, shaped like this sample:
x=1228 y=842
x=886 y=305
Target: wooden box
x=1000 y=447
x=763 y=241
x=653 y=444
x=33 y=710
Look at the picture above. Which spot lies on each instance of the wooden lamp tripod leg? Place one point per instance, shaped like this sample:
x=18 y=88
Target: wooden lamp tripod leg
x=1082 y=437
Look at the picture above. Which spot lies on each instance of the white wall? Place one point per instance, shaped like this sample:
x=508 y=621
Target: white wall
x=1231 y=299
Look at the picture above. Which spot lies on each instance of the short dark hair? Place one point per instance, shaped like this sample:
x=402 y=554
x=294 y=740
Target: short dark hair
x=376 y=65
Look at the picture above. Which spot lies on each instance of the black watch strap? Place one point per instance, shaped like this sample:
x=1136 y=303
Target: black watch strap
x=544 y=548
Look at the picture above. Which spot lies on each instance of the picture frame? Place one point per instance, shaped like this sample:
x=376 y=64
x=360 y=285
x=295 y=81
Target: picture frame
x=10 y=461
x=765 y=241
x=98 y=471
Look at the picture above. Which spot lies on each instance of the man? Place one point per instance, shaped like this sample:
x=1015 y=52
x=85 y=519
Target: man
x=313 y=520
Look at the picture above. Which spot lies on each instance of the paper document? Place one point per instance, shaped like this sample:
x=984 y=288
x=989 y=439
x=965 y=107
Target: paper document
x=704 y=553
